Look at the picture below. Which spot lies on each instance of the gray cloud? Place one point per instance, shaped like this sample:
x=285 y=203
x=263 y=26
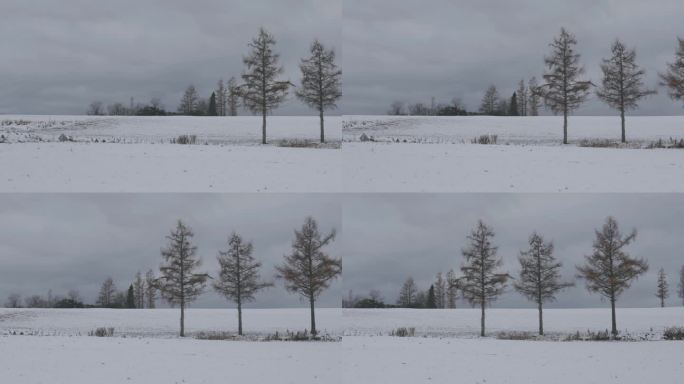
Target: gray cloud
x=59 y=56
x=412 y=51
x=74 y=241
x=388 y=238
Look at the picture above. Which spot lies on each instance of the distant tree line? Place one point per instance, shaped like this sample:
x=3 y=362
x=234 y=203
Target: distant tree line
x=609 y=270
x=261 y=90
x=564 y=89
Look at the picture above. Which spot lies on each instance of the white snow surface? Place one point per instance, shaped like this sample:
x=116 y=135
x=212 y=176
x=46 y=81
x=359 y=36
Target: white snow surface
x=435 y=154
x=136 y=154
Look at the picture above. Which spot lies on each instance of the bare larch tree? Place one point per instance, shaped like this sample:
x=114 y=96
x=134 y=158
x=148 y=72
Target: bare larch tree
x=622 y=85
x=522 y=97
x=563 y=91
x=105 y=298
x=221 y=98
x=609 y=270
x=189 y=102
x=451 y=290
x=261 y=92
x=673 y=78
x=440 y=291
x=321 y=81
x=178 y=283
x=232 y=97
x=139 y=291
x=407 y=294
x=239 y=278
x=481 y=283
x=308 y=270
x=150 y=289
x=533 y=98
x=490 y=101
x=663 y=290
x=540 y=277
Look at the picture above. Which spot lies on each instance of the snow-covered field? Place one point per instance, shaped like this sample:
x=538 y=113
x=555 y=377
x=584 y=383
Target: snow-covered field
x=453 y=352
x=436 y=154
x=58 y=350
x=137 y=154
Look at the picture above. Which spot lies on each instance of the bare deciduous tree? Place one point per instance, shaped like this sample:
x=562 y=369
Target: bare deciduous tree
x=96 y=108
x=440 y=291
x=321 y=79
x=622 y=86
x=308 y=270
x=408 y=294
x=233 y=97
x=534 y=97
x=609 y=270
x=563 y=91
x=261 y=92
x=490 y=101
x=221 y=98
x=189 y=104
x=673 y=78
x=397 y=108
x=106 y=298
x=481 y=283
x=13 y=300
x=178 y=283
x=239 y=278
x=663 y=291
x=150 y=289
x=540 y=278
x=522 y=97
x=139 y=291
x=681 y=284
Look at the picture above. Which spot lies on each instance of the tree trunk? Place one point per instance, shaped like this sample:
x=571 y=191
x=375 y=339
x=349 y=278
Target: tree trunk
x=322 y=130
x=482 y=320
x=182 y=321
x=622 y=116
x=313 y=316
x=239 y=318
x=565 y=127
x=263 y=128
x=614 y=323
x=541 y=320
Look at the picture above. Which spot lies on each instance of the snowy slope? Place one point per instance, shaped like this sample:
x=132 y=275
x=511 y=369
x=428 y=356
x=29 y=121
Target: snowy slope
x=435 y=154
x=136 y=154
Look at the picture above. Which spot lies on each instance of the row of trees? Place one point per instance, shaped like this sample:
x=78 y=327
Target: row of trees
x=307 y=270
x=261 y=90
x=609 y=270
x=142 y=293
x=525 y=101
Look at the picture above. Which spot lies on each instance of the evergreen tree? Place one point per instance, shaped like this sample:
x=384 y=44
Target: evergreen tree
x=663 y=291
x=623 y=84
x=321 y=79
x=261 y=92
x=239 y=277
x=178 y=283
x=212 y=110
x=534 y=97
x=431 y=302
x=513 y=105
x=130 y=297
x=490 y=102
x=540 y=278
x=564 y=91
x=481 y=283
x=408 y=293
x=673 y=78
x=308 y=270
x=609 y=270
x=189 y=102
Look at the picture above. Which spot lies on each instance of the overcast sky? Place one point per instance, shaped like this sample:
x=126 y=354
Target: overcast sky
x=58 y=56
x=388 y=238
x=411 y=50
x=75 y=241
